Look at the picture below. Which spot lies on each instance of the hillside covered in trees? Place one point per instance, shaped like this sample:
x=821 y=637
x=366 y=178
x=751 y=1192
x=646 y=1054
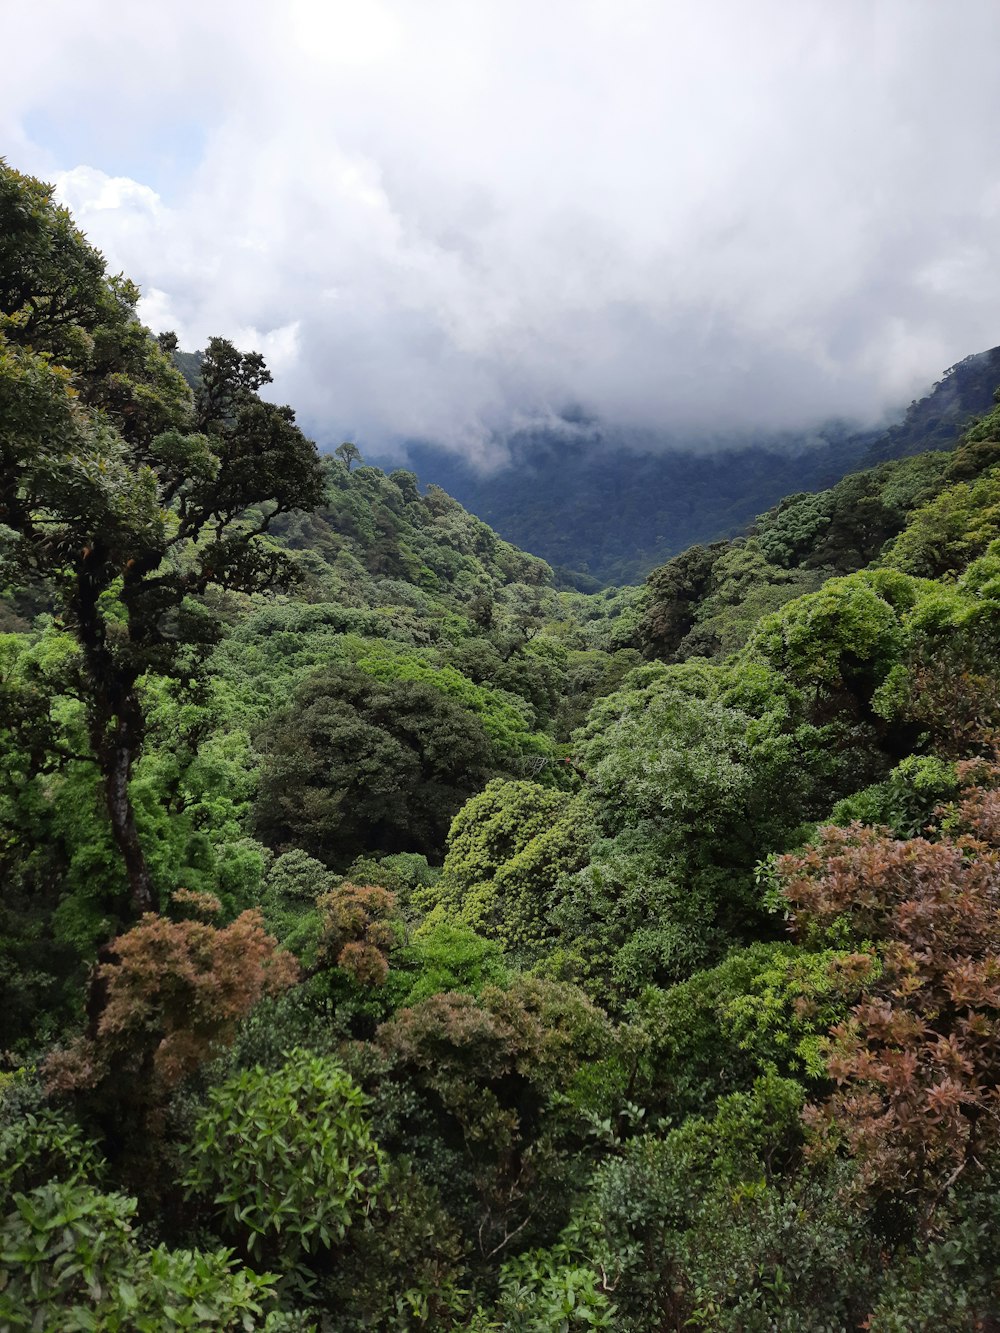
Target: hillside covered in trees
x=392 y=940
x=605 y=509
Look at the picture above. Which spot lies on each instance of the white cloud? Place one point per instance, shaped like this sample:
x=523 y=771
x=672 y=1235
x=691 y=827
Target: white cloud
x=443 y=219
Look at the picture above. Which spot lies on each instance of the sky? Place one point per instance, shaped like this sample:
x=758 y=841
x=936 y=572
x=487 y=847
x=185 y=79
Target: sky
x=450 y=219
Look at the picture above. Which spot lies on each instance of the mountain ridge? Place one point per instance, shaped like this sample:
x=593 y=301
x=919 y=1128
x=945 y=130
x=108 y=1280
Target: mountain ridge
x=608 y=515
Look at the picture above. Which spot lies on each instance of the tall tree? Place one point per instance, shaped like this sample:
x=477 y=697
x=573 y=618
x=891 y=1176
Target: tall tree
x=126 y=496
x=348 y=453
x=355 y=763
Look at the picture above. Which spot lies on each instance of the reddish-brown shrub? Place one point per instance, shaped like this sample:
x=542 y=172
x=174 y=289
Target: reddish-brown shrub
x=959 y=705
x=918 y=1061
x=173 y=994
x=361 y=927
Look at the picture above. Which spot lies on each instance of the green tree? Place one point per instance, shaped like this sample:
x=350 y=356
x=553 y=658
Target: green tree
x=120 y=495
x=507 y=1079
x=348 y=453
x=673 y=593
x=507 y=849
x=357 y=763
x=323 y=1167
x=943 y=536
x=842 y=640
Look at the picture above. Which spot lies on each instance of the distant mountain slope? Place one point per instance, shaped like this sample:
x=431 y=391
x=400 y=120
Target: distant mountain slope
x=605 y=514
x=935 y=422
x=189 y=364
x=926 y=514
x=376 y=541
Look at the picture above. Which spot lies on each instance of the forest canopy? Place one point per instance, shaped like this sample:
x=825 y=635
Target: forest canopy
x=390 y=939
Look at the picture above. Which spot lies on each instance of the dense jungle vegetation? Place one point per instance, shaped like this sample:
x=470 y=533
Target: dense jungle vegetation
x=390 y=940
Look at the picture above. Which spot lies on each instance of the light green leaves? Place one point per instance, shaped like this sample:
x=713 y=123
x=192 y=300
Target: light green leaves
x=288 y=1157
x=70 y=1262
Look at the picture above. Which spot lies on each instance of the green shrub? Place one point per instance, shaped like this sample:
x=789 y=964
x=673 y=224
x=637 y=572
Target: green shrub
x=42 y=1146
x=69 y=1260
x=287 y=1156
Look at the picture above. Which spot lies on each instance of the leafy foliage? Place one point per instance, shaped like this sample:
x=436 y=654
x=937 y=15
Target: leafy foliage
x=916 y=1059
x=507 y=848
x=171 y=994
x=357 y=762
x=487 y=1069
x=70 y=1260
x=42 y=1146
x=287 y=1156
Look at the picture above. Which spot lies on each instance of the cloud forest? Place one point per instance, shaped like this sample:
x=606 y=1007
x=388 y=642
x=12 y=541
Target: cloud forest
x=393 y=937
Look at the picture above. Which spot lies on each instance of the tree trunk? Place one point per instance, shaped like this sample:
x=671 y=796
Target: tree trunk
x=116 y=727
x=116 y=766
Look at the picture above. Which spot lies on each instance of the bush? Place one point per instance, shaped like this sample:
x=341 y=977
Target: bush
x=43 y=1146
x=69 y=1260
x=287 y=1157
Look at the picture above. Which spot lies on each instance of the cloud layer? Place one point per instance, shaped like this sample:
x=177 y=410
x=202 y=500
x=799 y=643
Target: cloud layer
x=449 y=219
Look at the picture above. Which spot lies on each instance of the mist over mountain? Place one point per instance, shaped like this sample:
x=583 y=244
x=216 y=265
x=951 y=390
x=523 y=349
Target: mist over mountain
x=603 y=505
x=691 y=215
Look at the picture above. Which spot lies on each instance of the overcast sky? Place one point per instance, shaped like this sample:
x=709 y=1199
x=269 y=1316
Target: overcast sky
x=444 y=218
